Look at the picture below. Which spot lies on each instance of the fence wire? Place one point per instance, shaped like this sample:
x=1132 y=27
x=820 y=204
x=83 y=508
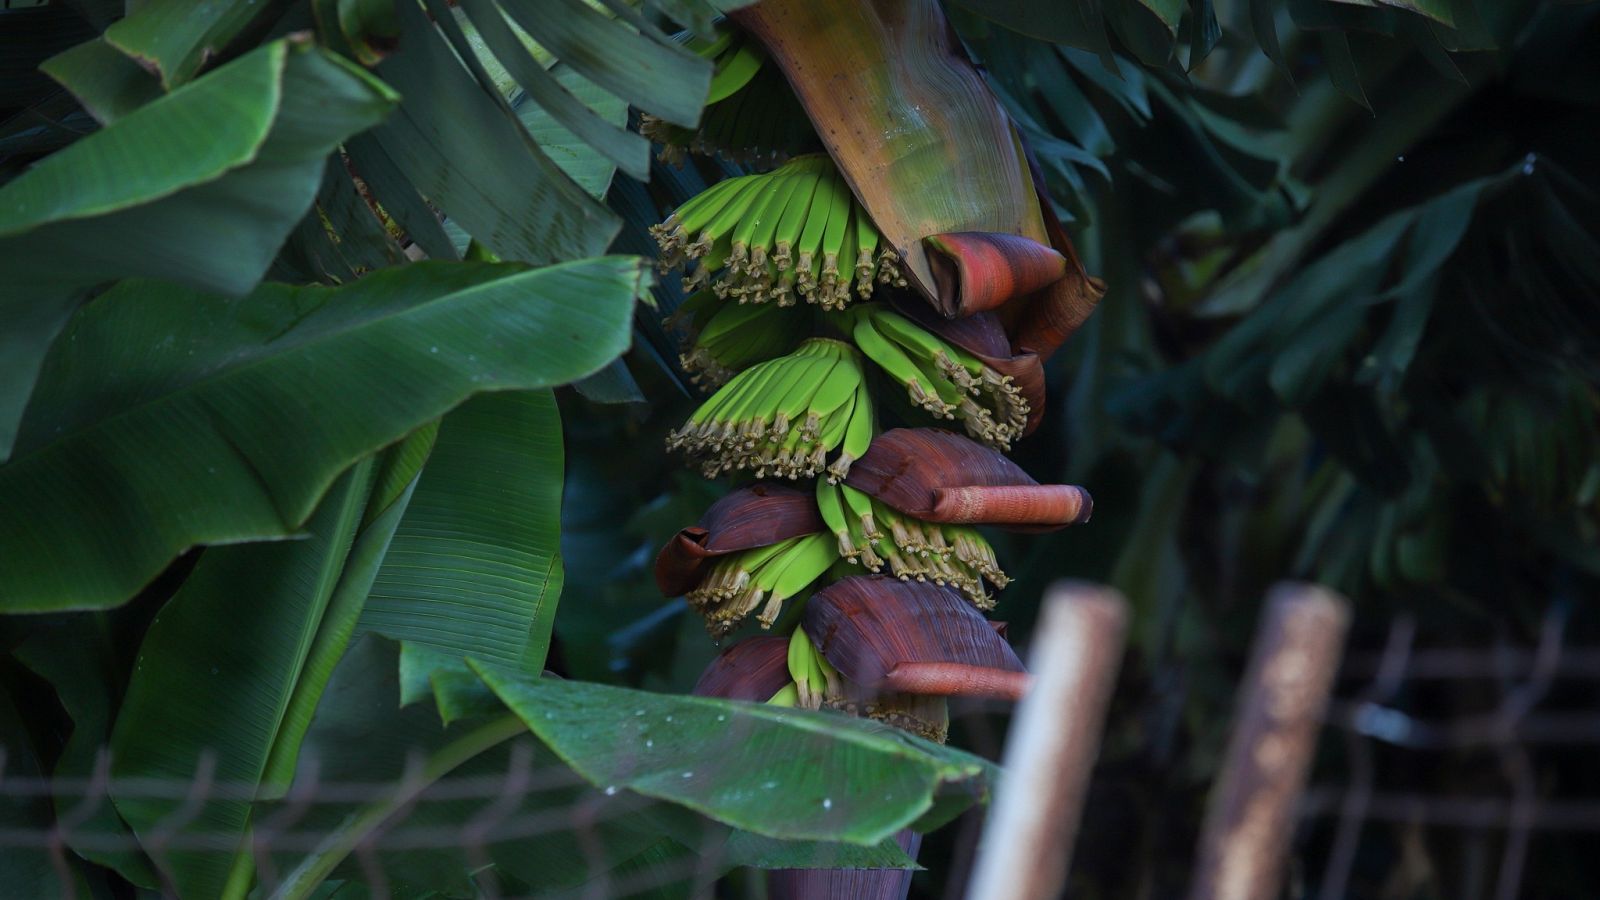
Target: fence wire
x=1358 y=799
x=1501 y=744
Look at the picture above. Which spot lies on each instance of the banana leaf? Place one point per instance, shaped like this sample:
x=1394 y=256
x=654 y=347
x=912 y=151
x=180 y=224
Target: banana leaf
x=842 y=779
x=215 y=684
x=475 y=567
x=238 y=428
x=200 y=186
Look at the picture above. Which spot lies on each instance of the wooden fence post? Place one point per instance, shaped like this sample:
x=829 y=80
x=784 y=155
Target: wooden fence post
x=1251 y=816
x=1027 y=842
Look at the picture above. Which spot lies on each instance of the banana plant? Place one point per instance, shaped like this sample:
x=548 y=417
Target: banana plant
x=292 y=483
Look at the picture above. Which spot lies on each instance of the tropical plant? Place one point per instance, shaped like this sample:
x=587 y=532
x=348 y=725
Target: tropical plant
x=290 y=485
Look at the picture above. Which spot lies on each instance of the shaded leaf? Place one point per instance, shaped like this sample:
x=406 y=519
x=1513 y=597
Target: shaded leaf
x=397 y=197
x=215 y=676
x=107 y=83
x=468 y=156
x=660 y=78
x=76 y=654
x=176 y=37
x=383 y=511
x=1342 y=66
x=475 y=568
x=565 y=100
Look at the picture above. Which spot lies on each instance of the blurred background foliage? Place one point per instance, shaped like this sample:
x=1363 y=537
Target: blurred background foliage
x=1351 y=336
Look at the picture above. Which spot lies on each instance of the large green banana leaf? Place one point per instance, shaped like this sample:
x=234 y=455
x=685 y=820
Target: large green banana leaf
x=80 y=655
x=216 y=678
x=167 y=418
x=475 y=568
x=525 y=795
x=783 y=773
x=200 y=186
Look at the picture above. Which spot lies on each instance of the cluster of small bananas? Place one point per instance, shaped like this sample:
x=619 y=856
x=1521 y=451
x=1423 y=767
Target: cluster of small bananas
x=941 y=378
x=796 y=233
x=727 y=337
x=751 y=114
x=762 y=124
x=952 y=555
x=783 y=417
x=815 y=680
x=763 y=577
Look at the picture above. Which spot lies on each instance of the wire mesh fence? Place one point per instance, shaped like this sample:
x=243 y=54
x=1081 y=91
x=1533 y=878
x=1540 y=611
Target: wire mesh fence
x=1507 y=745
x=1515 y=715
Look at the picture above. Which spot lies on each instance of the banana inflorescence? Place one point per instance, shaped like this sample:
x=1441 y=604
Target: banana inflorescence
x=784 y=417
x=763 y=577
x=939 y=377
x=790 y=286
x=796 y=233
x=874 y=535
x=726 y=337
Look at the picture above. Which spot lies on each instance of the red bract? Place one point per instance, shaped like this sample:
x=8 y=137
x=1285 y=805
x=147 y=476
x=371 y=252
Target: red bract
x=755 y=516
x=893 y=636
x=752 y=669
x=977 y=271
x=941 y=476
